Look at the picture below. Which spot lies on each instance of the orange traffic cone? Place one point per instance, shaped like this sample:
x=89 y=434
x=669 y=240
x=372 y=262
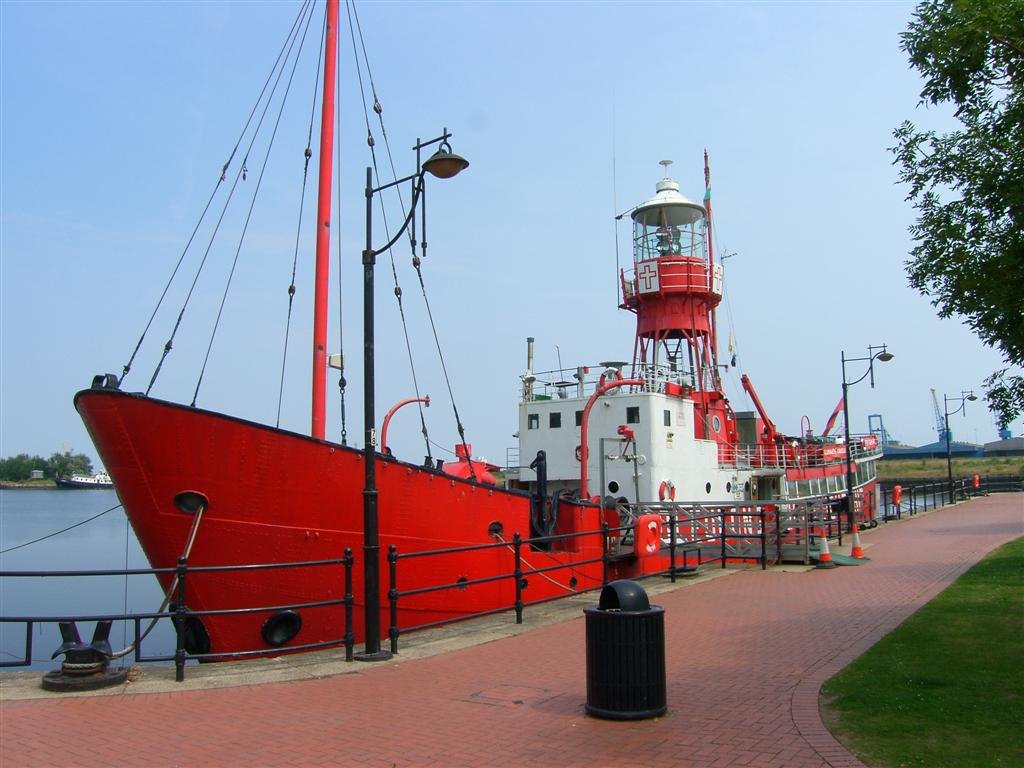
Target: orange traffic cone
x=824 y=556
x=857 y=551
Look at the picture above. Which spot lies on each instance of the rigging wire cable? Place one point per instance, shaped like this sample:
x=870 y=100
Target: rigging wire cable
x=341 y=283
x=255 y=194
x=355 y=27
x=307 y=154
x=220 y=179
x=57 y=533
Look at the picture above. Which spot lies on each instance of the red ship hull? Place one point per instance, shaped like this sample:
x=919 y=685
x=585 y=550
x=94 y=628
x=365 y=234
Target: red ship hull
x=277 y=497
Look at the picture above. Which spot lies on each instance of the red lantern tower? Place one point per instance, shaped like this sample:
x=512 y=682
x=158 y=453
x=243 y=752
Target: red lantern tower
x=674 y=288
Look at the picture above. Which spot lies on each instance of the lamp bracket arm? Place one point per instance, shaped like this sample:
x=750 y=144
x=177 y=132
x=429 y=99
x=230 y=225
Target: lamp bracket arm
x=408 y=218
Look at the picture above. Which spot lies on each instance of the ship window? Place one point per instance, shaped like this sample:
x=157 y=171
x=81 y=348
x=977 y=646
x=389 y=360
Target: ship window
x=707 y=488
x=579 y=418
x=716 y=424
x=633 y=414
x=668 y=418
x=555 y=419
x=533 y=421
x=613 y=487
x=728 y=487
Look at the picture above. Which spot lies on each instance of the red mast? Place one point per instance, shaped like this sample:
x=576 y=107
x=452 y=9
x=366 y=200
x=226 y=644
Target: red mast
x=323 y=226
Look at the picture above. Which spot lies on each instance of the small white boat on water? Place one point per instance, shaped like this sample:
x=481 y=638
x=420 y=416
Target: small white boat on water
x=99 y=480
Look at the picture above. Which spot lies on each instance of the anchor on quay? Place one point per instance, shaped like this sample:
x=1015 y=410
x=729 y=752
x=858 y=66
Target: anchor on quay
x=85 y=666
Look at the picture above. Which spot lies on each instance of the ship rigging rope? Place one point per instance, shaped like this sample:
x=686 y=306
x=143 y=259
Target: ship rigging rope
x=170 y=590
x=220 y=179
x=307 y=154
x=542 y=574
x=341 y=283
x=356 y=28
x=255 y=192
x=57 y=533
x=444 y=368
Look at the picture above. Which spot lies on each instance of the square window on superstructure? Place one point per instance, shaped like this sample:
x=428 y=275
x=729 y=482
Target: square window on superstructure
x=579 y=418
x=633 y=414
x=668 y=418
x=555 y=419
x=533 y=421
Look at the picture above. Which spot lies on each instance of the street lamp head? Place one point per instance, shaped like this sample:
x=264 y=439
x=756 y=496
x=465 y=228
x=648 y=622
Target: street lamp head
x=444 y=163
x=885 y=357
x=972 y=397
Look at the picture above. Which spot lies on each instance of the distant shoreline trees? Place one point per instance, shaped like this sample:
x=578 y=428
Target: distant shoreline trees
x=19 y=468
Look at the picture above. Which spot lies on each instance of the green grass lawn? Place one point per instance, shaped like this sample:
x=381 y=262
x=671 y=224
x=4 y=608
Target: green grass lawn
x=904 y=469
x=946 y=688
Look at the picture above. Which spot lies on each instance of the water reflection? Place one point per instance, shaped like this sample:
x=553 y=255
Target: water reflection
x=107 y=542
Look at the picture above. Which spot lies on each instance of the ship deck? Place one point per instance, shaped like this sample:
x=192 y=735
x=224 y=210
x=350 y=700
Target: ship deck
x=489 y=693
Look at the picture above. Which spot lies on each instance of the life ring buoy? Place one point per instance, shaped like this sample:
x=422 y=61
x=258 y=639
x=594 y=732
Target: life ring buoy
x=667 y=491
x=647 y=536
x=897 y=495
x=604 y=377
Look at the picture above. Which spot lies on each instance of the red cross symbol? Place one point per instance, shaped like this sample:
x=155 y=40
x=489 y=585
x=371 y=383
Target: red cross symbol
x=647 y=277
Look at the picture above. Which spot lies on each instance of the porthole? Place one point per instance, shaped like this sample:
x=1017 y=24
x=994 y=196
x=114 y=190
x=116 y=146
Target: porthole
x=573 y=583
x=728 y=487
x=495 y=529
x=281 y=627
x=613 y=487
x=716 y=424
x=707 y=488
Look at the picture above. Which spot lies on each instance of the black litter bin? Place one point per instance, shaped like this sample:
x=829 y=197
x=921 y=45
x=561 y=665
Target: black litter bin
x=625 y=654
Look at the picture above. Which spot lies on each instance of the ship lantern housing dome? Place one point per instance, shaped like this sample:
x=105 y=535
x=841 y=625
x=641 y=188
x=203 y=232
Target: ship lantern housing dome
x=668 y=225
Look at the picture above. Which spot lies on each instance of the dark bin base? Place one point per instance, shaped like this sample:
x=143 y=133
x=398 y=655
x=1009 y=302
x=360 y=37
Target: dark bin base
x=626 y=663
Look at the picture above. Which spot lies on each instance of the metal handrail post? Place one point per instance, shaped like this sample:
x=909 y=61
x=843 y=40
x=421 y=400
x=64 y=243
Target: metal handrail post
x=179 y=623
x=350 y=599
x=764 y=552
x=517 y=544
x=604 y=554
x=393 y=596
x=672 y=545
x=722 y=532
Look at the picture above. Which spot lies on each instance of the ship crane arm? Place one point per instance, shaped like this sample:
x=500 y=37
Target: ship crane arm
x=770 y=430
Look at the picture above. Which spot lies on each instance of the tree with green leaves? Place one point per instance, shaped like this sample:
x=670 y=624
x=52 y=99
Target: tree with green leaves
x=67 y=464
x=968 y=185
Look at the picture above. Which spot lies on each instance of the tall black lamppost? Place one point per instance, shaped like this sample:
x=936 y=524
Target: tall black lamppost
x=443 y=164
x=875 y=352
x=946 y=400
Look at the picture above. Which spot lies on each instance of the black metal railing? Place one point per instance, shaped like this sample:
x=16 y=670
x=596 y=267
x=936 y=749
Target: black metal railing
x=179 y=614
x=921 y=495
x=712 y=547
x=708 y=533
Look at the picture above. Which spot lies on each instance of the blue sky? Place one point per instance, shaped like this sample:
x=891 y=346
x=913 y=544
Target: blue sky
x=117 y=117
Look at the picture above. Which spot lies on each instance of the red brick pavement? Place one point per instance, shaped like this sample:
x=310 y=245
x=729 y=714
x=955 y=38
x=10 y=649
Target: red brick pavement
x=746 y=657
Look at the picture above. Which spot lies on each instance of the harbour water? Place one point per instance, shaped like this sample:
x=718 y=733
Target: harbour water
x=104 y=543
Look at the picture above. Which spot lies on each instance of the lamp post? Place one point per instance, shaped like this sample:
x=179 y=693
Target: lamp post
x=443 y=164
x=875 y=352
x=946 y=400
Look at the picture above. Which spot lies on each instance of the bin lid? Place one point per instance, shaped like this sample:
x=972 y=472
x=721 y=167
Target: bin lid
x=624 y=595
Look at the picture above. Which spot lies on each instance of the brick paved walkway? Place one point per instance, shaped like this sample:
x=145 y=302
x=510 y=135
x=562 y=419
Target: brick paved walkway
x=746 y=657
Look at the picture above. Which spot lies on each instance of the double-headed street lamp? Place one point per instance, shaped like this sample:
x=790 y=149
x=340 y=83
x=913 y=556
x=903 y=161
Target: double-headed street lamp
x=946 y=400
x=443 y=164
x=875 y=352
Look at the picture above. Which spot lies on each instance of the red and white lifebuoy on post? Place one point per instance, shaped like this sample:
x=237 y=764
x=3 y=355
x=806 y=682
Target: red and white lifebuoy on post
x=604 y=376
x=647 y=536
x=667 y=491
